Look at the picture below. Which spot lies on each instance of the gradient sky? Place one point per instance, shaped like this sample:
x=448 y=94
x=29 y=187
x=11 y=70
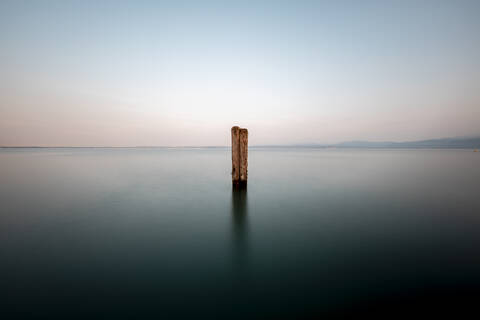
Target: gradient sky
x=129 y=73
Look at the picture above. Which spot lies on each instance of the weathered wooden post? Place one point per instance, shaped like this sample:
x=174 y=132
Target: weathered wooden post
x=239 y=157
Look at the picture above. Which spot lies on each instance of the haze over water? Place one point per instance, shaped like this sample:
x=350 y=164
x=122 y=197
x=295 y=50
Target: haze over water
x=158 y=232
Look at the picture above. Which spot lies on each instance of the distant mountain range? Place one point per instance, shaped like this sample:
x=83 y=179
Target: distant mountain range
x=445 y=143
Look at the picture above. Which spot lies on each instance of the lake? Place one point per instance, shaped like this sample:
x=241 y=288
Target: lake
x=158 y=232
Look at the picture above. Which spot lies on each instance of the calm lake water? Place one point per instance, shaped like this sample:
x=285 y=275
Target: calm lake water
x=153 y=232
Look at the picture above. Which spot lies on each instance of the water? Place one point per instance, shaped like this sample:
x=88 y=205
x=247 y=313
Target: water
x=151 y=233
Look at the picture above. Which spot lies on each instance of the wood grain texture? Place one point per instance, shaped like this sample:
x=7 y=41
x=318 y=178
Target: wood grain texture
x=243 y=154
x=239 y=156
x=235 y=154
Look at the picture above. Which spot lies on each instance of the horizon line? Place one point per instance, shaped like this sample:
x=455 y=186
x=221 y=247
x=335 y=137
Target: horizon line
x=300 y=144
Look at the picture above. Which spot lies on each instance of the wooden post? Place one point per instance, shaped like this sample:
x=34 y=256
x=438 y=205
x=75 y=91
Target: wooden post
x=243 y=155
x=239 y=157
x=235 y=154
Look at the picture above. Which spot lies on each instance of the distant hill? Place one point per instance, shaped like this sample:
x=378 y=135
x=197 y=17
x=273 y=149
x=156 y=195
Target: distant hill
x=445 y=143
x=454 y=143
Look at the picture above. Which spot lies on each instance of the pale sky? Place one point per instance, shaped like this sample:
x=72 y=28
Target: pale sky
x=176 y=73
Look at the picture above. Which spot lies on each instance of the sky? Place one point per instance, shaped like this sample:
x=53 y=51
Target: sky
x=182 y=73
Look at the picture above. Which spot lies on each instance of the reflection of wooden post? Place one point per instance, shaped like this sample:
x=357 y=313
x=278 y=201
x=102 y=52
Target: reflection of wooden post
x=239 y=156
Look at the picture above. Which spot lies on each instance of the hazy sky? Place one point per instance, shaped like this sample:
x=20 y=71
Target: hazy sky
x=127 y=73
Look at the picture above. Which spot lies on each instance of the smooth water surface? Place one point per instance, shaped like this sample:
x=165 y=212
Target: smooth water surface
x=152 y=232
